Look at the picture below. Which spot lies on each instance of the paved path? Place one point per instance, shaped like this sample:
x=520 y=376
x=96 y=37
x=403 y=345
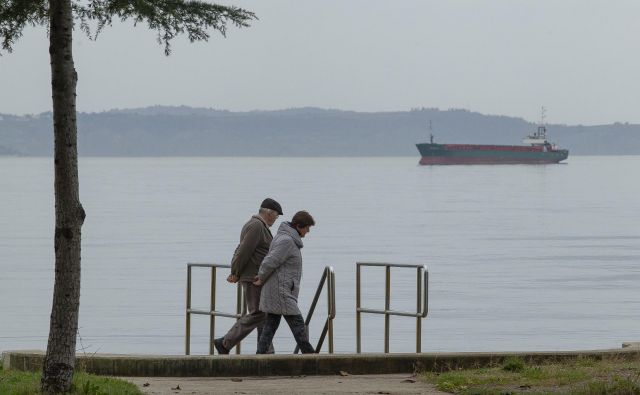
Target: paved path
x=360 y=384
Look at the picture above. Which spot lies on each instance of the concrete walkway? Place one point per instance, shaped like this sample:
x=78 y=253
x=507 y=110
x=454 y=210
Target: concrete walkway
x=360 y=384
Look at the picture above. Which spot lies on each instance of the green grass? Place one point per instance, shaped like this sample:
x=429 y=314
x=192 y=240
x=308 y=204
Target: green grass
x=515 y=376
x=21 y=383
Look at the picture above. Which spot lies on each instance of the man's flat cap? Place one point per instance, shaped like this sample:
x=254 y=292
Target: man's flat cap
x=272 y=204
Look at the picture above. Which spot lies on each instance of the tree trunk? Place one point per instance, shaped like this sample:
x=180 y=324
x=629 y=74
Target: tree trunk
x=59 y=362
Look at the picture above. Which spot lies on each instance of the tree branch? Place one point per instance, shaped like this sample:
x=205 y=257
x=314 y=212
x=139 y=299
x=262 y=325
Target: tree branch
x=16 y=14
x=169 y=18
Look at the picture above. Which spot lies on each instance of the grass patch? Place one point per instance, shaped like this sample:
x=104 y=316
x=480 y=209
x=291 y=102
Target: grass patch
x=514 y=376
x=513 y=364
x=23 y=383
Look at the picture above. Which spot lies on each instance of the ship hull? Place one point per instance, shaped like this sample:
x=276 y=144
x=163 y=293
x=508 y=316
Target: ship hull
x=470 y=154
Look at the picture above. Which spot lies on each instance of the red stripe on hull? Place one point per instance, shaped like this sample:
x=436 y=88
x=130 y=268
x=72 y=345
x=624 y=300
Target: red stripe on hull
x=448 y=160
x=482 y=147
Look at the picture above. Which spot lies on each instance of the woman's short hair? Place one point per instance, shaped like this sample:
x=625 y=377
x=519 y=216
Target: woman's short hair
x=302 y=219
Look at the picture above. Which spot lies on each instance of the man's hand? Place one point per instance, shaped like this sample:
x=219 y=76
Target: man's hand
x=232 y=278
x=257 y=281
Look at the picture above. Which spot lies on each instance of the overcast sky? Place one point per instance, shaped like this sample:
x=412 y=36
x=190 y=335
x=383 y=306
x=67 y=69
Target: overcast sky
x=580 y=59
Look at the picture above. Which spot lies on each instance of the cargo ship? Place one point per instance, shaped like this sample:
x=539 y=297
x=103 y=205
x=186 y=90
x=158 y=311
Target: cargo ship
x=538 y=150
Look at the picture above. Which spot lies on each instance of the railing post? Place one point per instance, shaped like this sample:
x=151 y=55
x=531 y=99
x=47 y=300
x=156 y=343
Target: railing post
x=419 y=310
x=425 y=305
x=240 y=308
x=387 y=307
x=358 y=318
x=187 y=338
x=212 y=318
x=330 y=306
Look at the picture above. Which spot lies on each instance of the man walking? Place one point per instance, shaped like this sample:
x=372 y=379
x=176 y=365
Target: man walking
x=255 y=239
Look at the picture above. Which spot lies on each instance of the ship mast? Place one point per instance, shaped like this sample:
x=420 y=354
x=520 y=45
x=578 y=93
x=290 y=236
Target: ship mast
x=430 y=133
x=542 y=128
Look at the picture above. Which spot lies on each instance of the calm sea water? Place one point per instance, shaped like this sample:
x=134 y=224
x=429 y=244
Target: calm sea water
x=519 y=257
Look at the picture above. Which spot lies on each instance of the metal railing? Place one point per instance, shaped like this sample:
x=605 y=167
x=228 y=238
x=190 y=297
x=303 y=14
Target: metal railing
x=328 y=277
x=422 y=301
x=241 y=306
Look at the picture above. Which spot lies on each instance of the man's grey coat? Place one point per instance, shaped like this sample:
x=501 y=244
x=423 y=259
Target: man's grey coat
x=281 y=272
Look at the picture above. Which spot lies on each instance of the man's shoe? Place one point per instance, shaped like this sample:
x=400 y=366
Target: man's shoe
x=220 y=346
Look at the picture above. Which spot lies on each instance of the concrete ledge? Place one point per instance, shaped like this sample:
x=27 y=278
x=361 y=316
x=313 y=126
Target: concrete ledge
x=295 y=365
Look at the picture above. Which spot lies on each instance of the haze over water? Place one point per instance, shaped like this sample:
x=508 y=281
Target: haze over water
x=520 y=257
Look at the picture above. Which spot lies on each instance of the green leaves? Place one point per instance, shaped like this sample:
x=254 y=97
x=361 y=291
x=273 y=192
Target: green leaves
x=169 y=18
x=16 y=14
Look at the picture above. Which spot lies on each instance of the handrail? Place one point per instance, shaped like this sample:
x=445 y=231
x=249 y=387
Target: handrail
x=241 y=306
x=328 y=276
x=422 y=301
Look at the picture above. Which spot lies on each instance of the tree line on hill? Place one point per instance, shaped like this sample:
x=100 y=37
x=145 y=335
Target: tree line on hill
x=186 y=131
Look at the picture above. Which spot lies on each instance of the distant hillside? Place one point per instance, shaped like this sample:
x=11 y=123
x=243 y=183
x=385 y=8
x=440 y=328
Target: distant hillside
x=186 y=131
x=4 y=151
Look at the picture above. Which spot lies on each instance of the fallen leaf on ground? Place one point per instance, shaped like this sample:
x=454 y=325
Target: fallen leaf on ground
x=343 y=373
x=236 y=380
x=146 y=384
x=409 y=381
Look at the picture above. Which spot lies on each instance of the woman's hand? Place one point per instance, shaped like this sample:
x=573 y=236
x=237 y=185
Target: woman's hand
x=257 y=281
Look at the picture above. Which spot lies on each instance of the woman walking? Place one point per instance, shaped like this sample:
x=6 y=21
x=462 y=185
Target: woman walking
x=280 y=274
